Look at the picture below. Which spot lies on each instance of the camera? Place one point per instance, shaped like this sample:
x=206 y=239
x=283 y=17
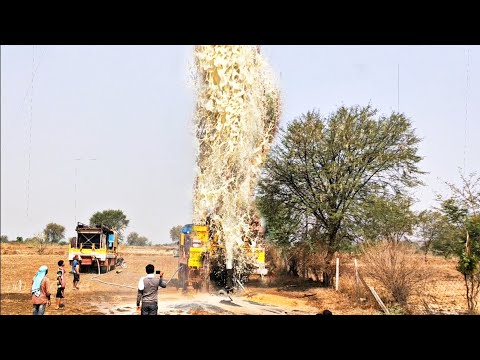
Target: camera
x=157 y=271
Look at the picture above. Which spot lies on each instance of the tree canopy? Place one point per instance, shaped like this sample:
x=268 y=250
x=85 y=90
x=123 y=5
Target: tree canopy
x=137 y=240
x=325 y=170
x=54 y=233
x=462 y=208
x=175 y=233
x=114 y=219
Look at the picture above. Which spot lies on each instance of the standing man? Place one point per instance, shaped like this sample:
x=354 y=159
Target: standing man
x=76 y=272
x=148 y=291
x=40 y=291
x=61 y=282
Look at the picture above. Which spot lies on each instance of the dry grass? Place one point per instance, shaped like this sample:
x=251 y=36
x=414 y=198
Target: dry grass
x=399 y=271
x=444 y=294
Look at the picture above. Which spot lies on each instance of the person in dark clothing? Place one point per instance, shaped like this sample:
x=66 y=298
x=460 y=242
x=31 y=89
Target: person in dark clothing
x=325 y=312
x=147 y=293
x=61 y=282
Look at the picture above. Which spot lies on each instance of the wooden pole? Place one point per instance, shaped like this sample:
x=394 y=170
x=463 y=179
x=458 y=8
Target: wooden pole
x=379 y=300
x=374 y=294
x=337 y=274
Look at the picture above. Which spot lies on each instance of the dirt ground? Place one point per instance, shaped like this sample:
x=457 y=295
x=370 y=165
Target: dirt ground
x=114 y=293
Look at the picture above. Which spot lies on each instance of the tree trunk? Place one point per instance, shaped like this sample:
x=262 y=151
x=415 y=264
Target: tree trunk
x=329 y=271
x=327 y=279
x=292 y=267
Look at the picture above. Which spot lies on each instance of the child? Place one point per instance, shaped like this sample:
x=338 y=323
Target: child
x=60 y=284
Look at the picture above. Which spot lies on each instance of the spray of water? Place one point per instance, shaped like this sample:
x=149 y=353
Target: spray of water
x=236 y=119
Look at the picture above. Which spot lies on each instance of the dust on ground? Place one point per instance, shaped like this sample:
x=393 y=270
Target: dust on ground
x=114 y=293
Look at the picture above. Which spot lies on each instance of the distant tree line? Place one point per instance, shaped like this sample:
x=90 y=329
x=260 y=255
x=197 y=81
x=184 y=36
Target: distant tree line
x=115 y=219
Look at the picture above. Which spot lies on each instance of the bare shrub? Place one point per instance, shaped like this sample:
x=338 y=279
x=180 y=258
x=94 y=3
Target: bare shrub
x=355 y=292
x=40 y=242
x=315 y=264
x=397 y=268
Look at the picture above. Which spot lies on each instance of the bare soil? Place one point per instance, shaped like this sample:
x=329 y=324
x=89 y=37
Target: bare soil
x=114 y=293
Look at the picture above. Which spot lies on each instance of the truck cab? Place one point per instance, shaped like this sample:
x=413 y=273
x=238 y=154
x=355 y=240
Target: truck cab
x=97 y=247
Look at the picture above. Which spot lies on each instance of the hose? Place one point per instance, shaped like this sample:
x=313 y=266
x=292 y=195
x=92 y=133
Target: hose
x=127 y=286
x=175 y=273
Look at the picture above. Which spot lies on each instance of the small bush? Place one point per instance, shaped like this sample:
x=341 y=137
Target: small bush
x=356 y=292
x=397 y=268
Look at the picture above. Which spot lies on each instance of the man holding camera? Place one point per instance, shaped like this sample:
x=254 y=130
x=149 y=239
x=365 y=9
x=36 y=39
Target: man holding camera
x=148 y=291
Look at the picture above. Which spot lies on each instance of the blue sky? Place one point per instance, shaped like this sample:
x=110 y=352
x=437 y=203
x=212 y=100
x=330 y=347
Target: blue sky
x=130 y=108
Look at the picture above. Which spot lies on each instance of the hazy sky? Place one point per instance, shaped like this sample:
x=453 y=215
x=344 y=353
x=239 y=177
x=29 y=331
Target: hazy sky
x=92 y=128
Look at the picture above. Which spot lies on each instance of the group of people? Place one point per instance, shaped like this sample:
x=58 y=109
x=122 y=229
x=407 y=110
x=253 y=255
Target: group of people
x=41 y=286
x=147 y=293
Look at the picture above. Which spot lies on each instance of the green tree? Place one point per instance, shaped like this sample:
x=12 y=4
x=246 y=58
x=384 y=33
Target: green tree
x=54 y=233
x=434 y=231
x=19 y=239
x=175 y=233
x=463 y=211
x=114 y=219
x=325 y=168
x=136 y=240
x=282 y=224
x=4 y=238
x=450 y=244
x=388 y=218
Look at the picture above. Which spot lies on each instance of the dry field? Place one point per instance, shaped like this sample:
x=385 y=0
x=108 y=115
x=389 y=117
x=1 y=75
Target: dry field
x=115 y=292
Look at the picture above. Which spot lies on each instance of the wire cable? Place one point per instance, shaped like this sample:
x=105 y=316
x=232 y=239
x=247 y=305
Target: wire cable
x=466 y=109
x=95 y=278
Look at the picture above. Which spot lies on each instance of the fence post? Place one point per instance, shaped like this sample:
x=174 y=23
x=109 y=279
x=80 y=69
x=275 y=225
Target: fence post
x=337 y=274
x=374 y=294
x=357 y=281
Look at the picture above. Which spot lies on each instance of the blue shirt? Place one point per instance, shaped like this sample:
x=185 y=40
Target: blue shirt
x=74 y=265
